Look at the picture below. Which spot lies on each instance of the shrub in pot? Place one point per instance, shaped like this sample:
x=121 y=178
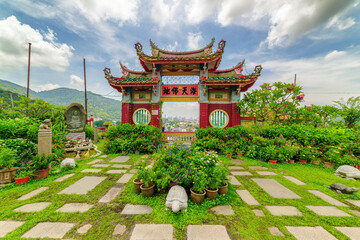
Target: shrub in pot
x=146 y=176
x=198 y=189
x=222 y=172
x=7 y=165
x=40 y=164
x=23 y=175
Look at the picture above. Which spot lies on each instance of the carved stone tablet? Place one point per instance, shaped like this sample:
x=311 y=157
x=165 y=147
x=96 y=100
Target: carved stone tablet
x=75 y=117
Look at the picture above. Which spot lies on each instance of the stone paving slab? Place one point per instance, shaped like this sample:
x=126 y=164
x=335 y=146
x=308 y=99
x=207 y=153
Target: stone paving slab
x=74 y=207
x=119 y=229
x=327 y=198
x=96 y=161
x=258 y=213
x=354 y=202
x=238 y=161
x=104 y=156
x=243 y=173
x=257 y=167
x=60 y=179
x=266 y=173
x=275 y=189
x=233 y=180
x=275 y=231
x=9 y=226
x=152 y=232
x=310 y=233
x=83 y=186
x=329 y=211
x=294 y=180
x=247 y=197
x=33 y=207
x=91 y=170
x=33 y=193
x=136 y=209
x=208 y=232
x=236 y=168
x=49 y=230
x=84 y=229
x=120 y=159
x=356 y=212
x=111 y=194
x=351 y=232
x=125 y=178
x=101 y=165
x=222 y=210
x=116 y=171
x=283 y=210
x=121 y=166
x=133 y=171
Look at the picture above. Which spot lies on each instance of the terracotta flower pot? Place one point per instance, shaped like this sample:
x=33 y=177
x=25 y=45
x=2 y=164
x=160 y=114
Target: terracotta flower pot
x=197 y=197
x=20 y=181
x=229 y=155
x=303 y=161
x=291 y=161
x=223 y=189
x=273 y=161
x=147 y=191
x=211 y=194
x=316 y=162
x=240 y=154
x=329 y=164
x=39 y=174
x=137 y=185
x=7 y=175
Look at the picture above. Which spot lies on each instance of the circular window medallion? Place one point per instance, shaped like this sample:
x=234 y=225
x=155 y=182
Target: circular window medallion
x=142 y=116
x=219 y=118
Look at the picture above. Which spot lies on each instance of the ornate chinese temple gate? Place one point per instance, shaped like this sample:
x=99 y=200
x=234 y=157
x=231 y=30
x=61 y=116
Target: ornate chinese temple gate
x=217 y=91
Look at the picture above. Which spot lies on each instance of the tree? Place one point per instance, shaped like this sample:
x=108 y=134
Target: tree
x=349 y=110
x=272 y=103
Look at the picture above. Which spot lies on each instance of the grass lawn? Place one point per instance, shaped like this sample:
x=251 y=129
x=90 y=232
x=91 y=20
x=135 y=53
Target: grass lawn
x=243 y=225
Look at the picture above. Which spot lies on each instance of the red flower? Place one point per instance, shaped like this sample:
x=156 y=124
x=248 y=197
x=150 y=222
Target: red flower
x=26 y=139
x=165 y=146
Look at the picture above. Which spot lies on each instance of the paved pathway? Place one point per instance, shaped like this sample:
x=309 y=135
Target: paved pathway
x=100 y=170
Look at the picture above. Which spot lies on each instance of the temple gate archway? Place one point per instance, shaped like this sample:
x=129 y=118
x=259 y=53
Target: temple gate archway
x=217 y=91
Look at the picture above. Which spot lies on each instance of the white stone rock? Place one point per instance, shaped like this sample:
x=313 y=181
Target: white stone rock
x=68 y=162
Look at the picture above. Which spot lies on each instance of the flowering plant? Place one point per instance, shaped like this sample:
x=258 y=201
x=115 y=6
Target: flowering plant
x=24 y=172
x=333 y=154
x=145 y=174
x=200 y=182
x=40 y=162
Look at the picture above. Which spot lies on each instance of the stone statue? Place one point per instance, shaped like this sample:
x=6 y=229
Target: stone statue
x=176 y=199
x=75 y=117
x=341 y=188
x=46 y=125
x=347 y=171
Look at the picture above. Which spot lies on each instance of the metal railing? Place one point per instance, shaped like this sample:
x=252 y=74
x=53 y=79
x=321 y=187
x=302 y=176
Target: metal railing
x=185 y=137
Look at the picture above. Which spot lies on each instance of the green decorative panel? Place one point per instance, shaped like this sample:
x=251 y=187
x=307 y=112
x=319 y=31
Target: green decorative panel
x=142 y=116
x=219 y=118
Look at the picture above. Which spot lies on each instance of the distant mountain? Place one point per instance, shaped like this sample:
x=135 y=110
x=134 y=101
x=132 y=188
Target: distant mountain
x=105 y=108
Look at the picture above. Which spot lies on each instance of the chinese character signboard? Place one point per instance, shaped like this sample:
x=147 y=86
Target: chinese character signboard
x=180 y=91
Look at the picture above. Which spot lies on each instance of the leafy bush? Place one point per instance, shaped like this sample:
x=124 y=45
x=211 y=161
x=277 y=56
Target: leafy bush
x=23 y=148
x=19 y=128
x=128 y=138
x=7 y=158
x=89 y=132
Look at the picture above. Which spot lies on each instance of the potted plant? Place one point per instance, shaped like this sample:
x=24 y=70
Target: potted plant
x=305 y=154
x=240 y=146
x=197 y=191
x=229 y=151
x=221 y=172
x=23 y=175
x=270 y=153
x=332 y=156
x=40 y=164
x=7 y=163
x=146 y=176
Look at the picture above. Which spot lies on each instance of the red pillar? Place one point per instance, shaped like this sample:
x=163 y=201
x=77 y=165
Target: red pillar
x=235 y=115
x=204 y=115
x=125 y=113
x=155 y=114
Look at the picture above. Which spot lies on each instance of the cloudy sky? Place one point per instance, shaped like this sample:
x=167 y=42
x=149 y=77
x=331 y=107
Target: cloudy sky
x=318 y=40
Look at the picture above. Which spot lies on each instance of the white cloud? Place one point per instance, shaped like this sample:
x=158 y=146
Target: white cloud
x=165 y=13
x=341 y=24
x=172 y=47
x=76 y=81
x=45 y=52
x=194 y=40
x=199 y=10
x=324 y=78
x=48 y=86
x=334 y=54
